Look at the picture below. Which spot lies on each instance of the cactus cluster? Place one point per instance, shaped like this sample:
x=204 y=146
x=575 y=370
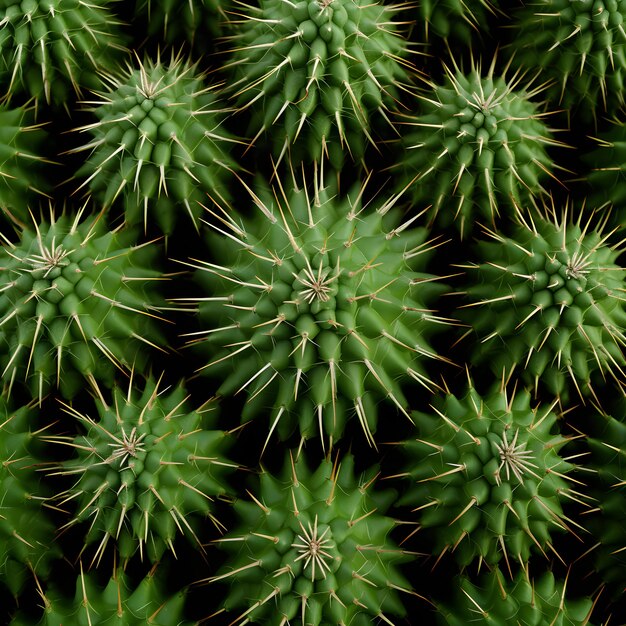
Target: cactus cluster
x=312 y=312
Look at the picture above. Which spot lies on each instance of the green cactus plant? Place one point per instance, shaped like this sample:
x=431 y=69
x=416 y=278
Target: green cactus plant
x=158 y=144
x=546 y=301
x=522 y=601
x=315 y=74
x=476 y=150
x=26 y=533
x=313 y=547
x=319 y=308
x=579 y=46
x=118 y=603
x=51 y=50
x=147 y=468
x=486 y=476
x=77 y=301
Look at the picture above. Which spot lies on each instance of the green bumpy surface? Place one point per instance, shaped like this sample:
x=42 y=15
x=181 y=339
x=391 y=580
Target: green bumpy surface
x=548 y=301
x=117 y=604
x=318 y=310
x=173 y=21
x=498 y=601
x=77 y=301
x=158 y=145
x=476 y=151
x=459 y=20
x=580 y=46
x=21 y=176
x=26 y=533
x=147 y=469
x=316 y=73
x=313 y=548
x=53 y=50
x=487 y=477
x=607 y=525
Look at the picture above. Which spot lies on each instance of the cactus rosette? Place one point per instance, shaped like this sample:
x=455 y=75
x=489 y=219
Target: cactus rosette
x=316 y=73
x=523 y=601
x=52 y=50
x=546 y=300
x=147 y=468
x=487 y=478
x=318 y=309
x=580 y=46
x=158 y=144
x=313 y=547
x=77 y=302
x=477 y=149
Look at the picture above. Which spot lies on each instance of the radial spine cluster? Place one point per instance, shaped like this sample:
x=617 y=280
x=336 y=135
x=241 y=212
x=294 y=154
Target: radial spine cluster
x=477 y=148
x=147 y=468
x=547 y=300
x=319 y=307
x=312 y=547
x=487 y=476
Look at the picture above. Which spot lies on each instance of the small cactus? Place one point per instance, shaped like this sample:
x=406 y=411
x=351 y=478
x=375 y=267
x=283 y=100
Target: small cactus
x=77 y=302
x=145 y=467
x=487 y=478
x=52 y=50
x=477 y=148
x=312 y=547
x=547 y=300
x=316 y=73
x=158 y=144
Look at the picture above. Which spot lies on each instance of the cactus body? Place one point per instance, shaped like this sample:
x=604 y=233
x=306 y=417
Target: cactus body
x=477 y=149
x=317 y=310
x=52 y=50
x=158 y=145
x=487 y=477
x=313 y=548
x=77 y=302
x=316 y=74
x=147 y=468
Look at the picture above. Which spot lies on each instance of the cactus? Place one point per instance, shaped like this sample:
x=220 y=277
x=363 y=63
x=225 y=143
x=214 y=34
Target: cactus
x=313 y=547
x=477 y=148
x=76 y=302
x=26 y=534
x=52 y=49
x=145 y=468
x=319 y=307
x=486 y=474
x=579 y=46
x=21 y=172
x=118 y=603
x=522 y=601
x=316 y=73
x=157 y=144
x=546 y=300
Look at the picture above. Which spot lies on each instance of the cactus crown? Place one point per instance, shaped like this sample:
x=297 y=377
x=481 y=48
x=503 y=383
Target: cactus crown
x=314 y=546
x=488 y=475
x=318 y=308
x=144 y=469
